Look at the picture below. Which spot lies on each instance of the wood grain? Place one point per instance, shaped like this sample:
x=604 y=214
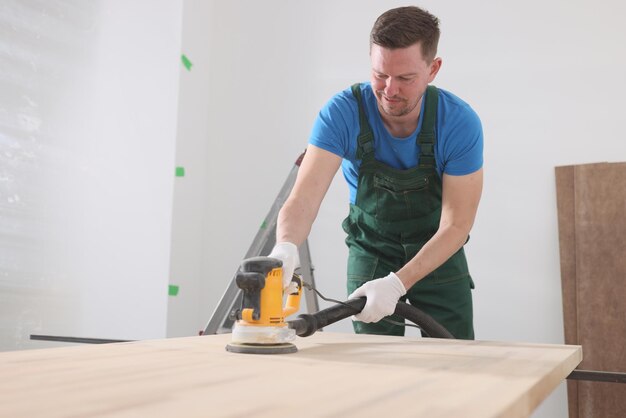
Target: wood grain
x=591 y=201
x=330 y=375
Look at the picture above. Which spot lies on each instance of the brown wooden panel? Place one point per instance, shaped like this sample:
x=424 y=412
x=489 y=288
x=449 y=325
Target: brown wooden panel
x=598 y=252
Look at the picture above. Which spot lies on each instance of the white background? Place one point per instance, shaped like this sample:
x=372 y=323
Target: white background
x=88 y=149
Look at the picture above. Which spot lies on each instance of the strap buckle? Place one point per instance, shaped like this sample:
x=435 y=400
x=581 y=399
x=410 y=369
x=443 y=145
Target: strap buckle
x=365 y=144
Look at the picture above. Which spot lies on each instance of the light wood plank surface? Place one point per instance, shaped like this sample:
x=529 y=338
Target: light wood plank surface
x=331 y=375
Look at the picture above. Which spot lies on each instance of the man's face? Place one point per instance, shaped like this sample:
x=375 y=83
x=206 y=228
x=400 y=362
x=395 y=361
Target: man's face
x=400 y=77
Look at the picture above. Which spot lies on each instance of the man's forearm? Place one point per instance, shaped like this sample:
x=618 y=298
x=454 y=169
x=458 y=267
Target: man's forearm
x=447 y=241
x=294 y=222
x=299 y=211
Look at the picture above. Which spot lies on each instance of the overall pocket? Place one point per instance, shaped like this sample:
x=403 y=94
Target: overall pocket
x=361 y=269
x=396 y=198
x=454 y=268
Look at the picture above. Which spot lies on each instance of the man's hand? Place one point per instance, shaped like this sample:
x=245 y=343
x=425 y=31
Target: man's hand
x=382 y=297
x=286 y=252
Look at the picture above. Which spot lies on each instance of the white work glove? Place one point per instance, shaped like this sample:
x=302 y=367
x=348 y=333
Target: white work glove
x=286 y=252
x=382 y=296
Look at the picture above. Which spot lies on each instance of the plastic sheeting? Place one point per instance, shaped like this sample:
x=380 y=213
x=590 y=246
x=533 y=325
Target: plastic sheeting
x=87 y=133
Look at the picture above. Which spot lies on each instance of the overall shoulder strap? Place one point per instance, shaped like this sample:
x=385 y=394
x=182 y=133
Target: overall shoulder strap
x=365 y=141
x=426 y=139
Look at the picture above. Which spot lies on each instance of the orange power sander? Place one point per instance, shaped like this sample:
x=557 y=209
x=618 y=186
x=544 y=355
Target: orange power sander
x=260 y=327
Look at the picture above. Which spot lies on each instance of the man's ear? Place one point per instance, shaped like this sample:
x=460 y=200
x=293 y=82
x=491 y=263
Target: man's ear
x=435 y=66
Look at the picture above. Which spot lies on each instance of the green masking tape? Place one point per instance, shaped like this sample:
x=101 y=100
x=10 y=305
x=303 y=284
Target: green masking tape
x=180 y=171
x=186 y=62
x=173 y=290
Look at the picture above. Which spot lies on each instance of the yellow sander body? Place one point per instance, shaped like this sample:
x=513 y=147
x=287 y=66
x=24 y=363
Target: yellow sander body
x=260 y=327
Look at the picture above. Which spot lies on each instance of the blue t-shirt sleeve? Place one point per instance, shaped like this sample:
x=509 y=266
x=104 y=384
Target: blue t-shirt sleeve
x=462 y=147
x=335 y=125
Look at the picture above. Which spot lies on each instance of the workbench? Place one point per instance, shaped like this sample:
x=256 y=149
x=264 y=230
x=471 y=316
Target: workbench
x=332 y=374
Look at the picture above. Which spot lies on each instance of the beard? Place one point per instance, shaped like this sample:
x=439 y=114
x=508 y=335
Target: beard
x=399 y=106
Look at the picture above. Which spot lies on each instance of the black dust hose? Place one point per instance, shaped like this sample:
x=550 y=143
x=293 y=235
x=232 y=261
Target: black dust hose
x=307 y=324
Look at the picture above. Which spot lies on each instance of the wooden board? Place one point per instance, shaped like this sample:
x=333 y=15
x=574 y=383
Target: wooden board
x=330 y=375
x=591 y=200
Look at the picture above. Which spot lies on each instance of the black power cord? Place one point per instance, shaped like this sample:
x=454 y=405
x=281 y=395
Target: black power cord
x=307 y=324
x=327 y=299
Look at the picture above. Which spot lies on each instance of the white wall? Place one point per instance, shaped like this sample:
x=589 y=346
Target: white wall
x=545 y=77
x=87 y=134
x=191 y=215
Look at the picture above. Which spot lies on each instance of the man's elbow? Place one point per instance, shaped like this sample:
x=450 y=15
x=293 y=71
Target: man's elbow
x=459 y=230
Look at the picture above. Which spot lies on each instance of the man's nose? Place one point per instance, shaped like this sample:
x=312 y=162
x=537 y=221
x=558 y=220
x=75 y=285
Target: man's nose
x=391 y=87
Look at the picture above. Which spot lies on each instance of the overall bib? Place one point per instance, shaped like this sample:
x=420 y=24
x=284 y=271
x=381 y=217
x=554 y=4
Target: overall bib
x=395 y=213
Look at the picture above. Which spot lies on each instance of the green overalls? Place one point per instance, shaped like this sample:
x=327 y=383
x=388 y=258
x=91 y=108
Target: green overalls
x=396 y=212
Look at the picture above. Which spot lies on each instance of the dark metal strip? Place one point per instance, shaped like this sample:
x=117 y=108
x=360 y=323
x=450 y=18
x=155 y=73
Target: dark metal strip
x=597 y=376
x=76 y=339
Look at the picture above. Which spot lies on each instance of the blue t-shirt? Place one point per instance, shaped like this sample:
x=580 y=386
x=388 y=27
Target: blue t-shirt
x=459 y=148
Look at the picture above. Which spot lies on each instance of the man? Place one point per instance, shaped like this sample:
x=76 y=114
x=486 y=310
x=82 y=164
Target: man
x=412 y=157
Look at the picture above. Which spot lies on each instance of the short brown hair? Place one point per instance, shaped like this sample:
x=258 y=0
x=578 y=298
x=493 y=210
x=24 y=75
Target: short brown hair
x=405 y=26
